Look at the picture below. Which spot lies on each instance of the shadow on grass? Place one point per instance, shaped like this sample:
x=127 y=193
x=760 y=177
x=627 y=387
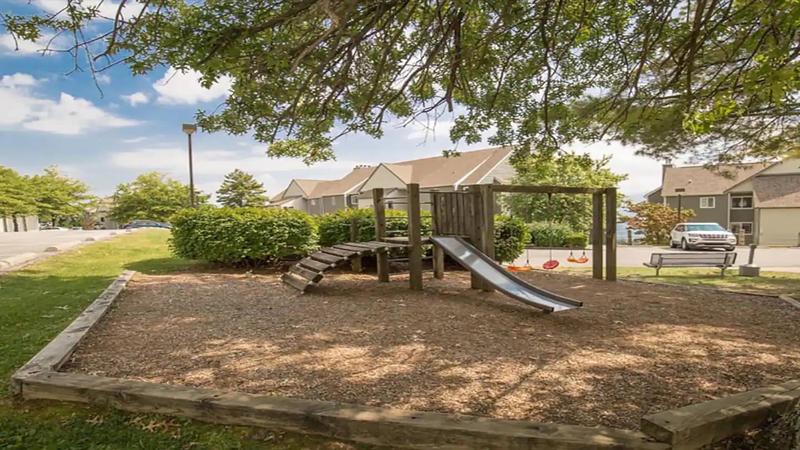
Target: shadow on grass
x=161 y=266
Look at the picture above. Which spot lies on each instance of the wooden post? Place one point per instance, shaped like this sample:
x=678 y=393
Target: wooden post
x=487 y=225
x=380 y=233
x=438 y=253
x=355 y=263
x=611 y=234
x=414 y=238
x=475 y=233
x=597 y=235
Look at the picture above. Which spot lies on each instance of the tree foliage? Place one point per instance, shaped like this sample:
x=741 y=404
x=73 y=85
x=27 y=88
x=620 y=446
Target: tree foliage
x=717 y=77
x=151 y=196
x=656 y=220
x=240 y=189
x=51 y=196
x=567 y=170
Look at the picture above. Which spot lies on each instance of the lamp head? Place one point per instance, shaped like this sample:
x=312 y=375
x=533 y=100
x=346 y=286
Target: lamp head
x=189 y=128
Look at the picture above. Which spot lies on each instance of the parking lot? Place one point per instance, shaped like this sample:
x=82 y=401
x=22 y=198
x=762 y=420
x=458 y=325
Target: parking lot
x=18 y=247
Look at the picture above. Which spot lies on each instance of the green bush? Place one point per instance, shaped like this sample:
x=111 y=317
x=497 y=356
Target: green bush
x=577 y=239
x=510 y=237
x=549 y=234
x=334 y=228
x=242 y=236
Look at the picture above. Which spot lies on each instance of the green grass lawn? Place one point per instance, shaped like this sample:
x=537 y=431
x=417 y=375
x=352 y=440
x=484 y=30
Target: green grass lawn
x=768 y=283
x=38 y=302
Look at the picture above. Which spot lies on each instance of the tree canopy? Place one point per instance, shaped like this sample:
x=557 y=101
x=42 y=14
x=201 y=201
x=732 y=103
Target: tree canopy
x=51 y=196
x=717 y=78
x=656 y=220
x=240 y=189
x=151 y=196
x=566 y=170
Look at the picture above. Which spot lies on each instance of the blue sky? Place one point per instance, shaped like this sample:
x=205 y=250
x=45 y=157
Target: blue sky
x=130 y=125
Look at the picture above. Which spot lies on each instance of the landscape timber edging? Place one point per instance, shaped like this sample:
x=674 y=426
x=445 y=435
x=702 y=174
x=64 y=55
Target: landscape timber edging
x=700 y=424
x=40 y=379
x=790 y=300
x=58 y=351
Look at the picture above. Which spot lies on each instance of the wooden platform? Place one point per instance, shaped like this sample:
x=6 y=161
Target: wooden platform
x=309 y=271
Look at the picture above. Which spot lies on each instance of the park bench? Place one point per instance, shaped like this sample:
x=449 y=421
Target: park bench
x=711 y=259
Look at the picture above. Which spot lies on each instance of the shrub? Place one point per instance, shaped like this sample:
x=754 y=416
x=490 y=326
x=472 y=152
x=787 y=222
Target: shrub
x=242 y=236
x=510 y=237
x=334 y=228
x=549 y=234
x=577 y=239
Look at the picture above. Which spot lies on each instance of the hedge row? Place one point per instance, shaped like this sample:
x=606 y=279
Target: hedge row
x=242 y=236
x=251 y=236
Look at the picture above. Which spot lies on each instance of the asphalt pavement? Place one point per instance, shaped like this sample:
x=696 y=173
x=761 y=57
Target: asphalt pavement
x=19 y=248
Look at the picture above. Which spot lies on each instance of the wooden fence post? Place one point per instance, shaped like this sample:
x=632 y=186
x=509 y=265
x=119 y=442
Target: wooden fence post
x=597 y=235
x=356 y=263
x=414 y=238
x=487 y=226
x=380 y=233
x=611 y=234
x=438 y=253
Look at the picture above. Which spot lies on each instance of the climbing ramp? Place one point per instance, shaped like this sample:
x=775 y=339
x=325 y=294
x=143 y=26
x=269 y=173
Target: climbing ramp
x=309 y=271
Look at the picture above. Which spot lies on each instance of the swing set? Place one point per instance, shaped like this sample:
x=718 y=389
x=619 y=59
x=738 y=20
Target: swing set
x=599 y=236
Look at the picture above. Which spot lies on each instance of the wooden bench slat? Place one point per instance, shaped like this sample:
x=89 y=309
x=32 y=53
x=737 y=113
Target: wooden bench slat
x=309 y=275
x=338 y=252
x=314 y=265
x=326 y=258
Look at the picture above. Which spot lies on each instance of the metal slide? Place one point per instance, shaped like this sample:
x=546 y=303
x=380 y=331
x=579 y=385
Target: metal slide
x=487 y=269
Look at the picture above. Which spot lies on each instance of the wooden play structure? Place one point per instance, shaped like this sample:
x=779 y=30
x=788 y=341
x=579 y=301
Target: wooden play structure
x=463 y=228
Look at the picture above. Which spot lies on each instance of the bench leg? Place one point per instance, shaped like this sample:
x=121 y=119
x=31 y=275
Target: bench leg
x=658 y=269
x=722 y=274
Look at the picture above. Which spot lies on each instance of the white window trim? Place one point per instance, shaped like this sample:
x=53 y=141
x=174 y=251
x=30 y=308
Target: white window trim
x=713 y=203
x=738 y=207
x=743 y=223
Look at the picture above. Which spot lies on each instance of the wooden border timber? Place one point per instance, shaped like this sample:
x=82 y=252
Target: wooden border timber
x=58 y=351
x=701 y=424
x=373 y=425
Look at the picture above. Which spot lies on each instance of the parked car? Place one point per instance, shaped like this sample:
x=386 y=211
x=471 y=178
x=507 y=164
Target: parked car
x=47 y=226
x=145 y=224
x=701 y=235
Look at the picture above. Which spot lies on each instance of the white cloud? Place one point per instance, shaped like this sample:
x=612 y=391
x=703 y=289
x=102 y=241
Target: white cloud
x=17 y=80
x=137 y=98
x=107 y=8
x=68 y=115
x=103 y=78
x=211 y=165
x=184 y=88
x=20 y=47
x=438 y=130
x=135 y=140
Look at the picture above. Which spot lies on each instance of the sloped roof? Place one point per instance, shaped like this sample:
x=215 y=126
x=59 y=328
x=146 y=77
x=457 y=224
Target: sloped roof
x=342 y=186
x=777 y=191
x=701 y=180
x=464 y=168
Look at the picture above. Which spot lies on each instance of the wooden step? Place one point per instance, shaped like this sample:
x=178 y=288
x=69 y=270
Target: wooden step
x=352 y=248
x=326 y=258
x=370 y=244
x=309 y=275
x=314 y=265
x=295 y=281
x=337 y=252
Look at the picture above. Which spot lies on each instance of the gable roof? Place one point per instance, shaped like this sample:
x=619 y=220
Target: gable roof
x=350 y=182
x=701 y=180
x=777 y=191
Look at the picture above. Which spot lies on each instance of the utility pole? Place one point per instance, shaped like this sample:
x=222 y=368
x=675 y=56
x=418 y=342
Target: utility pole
x=189 y=129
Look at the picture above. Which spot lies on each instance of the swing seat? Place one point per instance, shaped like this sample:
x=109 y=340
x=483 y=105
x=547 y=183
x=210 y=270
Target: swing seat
x=573 y=259
x=550 y=265
x=519 y=268
x=582 y=260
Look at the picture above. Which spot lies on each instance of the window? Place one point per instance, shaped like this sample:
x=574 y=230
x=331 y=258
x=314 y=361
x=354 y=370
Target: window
x=746 y=226
x=707 y=202
x=680 y=229
x=742 y=202
x=680 y=189
x=352 y=200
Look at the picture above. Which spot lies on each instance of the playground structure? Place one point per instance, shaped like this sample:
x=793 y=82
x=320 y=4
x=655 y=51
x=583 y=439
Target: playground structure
x=463 y=228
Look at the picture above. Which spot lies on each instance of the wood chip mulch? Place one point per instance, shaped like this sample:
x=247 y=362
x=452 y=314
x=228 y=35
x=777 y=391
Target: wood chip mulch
x=633 y=349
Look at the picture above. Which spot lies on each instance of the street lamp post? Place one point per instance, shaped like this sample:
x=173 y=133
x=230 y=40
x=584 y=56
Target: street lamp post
x=190 y=128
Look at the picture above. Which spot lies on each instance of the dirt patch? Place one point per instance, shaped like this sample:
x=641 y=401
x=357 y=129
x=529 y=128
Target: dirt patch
x=631 y=350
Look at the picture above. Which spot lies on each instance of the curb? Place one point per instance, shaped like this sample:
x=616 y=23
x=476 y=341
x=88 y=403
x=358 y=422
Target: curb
x=16 y=261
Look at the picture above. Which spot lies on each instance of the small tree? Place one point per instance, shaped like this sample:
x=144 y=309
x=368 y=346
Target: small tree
x=240 y=189
x=566 y=170
x=58 y=198
x=656 y=220
x=16 y=193
x=152 y=196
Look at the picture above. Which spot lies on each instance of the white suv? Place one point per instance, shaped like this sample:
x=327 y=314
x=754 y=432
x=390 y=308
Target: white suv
x=701 y=235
